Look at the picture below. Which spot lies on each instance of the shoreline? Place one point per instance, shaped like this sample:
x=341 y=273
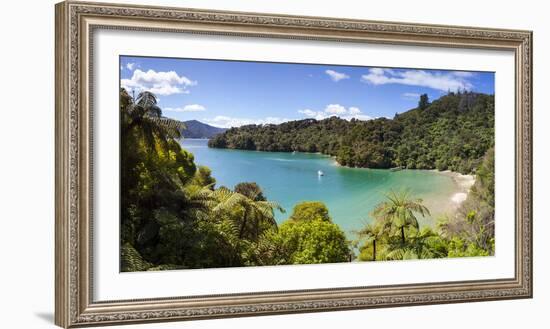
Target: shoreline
x=463 y=184
x=448 y=205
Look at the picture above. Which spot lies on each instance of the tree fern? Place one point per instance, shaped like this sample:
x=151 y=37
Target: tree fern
x=399 y=213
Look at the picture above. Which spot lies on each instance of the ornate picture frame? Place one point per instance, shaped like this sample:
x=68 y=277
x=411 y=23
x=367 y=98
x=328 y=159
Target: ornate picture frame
x=75 y=24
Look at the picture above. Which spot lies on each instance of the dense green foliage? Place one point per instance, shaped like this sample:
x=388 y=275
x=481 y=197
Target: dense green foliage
x=472 y=229
x=453 y=132
x=311 y=242
x=310 y=210
x=251 y=190
x=173 y=216
x=399 y=213
x=307 y=237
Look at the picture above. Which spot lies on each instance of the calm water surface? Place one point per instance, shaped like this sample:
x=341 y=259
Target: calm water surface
x=349 y=193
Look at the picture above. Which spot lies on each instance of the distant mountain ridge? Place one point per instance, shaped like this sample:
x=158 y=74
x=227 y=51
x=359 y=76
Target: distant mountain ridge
x=197 y=129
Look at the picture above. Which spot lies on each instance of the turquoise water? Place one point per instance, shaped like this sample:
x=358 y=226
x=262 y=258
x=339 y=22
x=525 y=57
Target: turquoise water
x=349 y=193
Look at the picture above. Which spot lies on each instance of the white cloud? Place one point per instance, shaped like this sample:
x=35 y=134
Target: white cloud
x=194 y=108
x=410 y=95
x=335 y=109
x=159 y=83
x=338 y=110
x=186 y=108
x=336 y=76
x=452 y=81
x=378 y=70
x=130 y=66
x=463 y=74
x=308 y=112
x=223 y=121
x=330 y=110
x=362 y=117
x=317 y=115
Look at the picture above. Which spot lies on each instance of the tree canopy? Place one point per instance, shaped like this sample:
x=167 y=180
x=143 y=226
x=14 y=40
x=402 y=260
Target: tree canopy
x=310 y=210
x=307 y=237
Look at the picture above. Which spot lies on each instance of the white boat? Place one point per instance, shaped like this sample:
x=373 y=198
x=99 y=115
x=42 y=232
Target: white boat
x=320 y=173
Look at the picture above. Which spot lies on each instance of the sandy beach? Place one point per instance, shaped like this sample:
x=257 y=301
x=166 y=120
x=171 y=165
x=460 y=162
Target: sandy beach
x=463 y=182
x=448 y=202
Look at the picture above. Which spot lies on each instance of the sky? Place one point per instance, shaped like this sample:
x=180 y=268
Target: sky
x=234 y=93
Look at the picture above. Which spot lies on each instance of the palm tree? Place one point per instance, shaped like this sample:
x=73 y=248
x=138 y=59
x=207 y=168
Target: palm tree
x=399 y=212
x=254 y=213
x=198 y=200
x=371 y=233
x=147 y=115
x=427 y=244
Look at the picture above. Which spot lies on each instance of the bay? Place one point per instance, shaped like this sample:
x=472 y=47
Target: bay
x=350 y=194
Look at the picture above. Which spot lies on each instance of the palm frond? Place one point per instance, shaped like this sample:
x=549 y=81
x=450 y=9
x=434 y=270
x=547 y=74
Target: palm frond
x=228 y=200
x=146 y=99
x=168 y=127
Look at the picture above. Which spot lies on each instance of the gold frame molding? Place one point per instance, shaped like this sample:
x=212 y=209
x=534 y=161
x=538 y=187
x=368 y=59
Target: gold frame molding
x=75 y=23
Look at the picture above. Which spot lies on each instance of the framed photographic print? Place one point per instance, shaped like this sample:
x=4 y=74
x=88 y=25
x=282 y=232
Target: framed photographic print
x=217 y=164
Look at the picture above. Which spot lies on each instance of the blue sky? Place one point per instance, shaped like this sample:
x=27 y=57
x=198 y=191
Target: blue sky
x=233 y=93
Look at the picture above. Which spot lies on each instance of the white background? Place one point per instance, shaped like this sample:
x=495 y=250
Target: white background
x=27 y=163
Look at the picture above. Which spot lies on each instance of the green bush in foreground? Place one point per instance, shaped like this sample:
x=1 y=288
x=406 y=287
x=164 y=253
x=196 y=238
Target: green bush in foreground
x=307 y=237
x=131 y=261
x=309 y=242
x=310 y=210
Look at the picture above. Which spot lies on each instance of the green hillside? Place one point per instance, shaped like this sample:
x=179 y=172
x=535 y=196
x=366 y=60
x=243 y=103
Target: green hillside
x=453 y=132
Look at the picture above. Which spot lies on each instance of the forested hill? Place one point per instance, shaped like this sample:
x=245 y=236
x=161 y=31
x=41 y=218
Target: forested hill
x=197 y=129
x=453 y=132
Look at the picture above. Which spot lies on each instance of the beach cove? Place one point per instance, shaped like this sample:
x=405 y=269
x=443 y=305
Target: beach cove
x=349 y=193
